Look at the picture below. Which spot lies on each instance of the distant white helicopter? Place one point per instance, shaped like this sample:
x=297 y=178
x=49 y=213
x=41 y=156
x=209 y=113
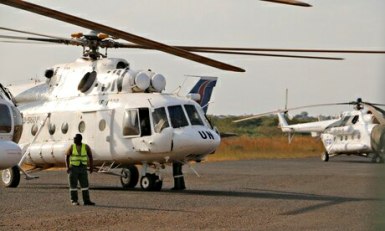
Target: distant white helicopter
x=122 y=113
x=359 y=132
x=10 y=132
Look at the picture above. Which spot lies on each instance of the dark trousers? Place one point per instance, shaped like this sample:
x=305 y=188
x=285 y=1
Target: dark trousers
x=79 y=174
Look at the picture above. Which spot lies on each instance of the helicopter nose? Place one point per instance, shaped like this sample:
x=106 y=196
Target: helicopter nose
x=378 y=138
x=196 y=141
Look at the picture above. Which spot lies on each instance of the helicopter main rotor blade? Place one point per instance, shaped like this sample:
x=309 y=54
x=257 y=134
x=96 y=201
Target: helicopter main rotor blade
x=285 y=50
x=286 y=110
x=32 y=33
x=118 y=33
x=265 y=54
x=290 y=2
x=245 y=49
x=231 y=51
x=48 y=40
x=58 y=40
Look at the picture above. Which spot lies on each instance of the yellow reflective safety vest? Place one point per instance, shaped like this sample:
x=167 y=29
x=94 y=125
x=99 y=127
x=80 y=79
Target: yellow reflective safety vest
x=76 y=159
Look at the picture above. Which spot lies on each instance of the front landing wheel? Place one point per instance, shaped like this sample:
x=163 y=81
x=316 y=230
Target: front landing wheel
x=377 y=159
x=11 y=177
x=129 y=177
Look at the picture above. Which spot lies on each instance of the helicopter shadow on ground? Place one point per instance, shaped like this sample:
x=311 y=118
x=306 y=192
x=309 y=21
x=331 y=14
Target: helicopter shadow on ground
x=351 y=159
x=252 y=193
x=43 y=186
x=141 y=208
x=255 y=193
x=325 y=200
x=355 y=161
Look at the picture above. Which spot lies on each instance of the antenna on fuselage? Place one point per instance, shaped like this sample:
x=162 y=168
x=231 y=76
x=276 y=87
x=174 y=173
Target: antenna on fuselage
x=179 y=88
x=286 y=98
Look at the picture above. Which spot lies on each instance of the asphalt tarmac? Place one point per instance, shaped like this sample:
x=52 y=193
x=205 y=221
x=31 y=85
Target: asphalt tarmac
x=275 y=194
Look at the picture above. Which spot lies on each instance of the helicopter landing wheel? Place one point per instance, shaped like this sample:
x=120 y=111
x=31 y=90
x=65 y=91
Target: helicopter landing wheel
x=377 y=159
x=325 y=156
x=11 y=177
x=151 y=182
x=129 y=177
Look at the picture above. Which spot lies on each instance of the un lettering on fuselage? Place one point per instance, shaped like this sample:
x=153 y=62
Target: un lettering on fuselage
x=206 y=135
x=31 y=119
x=106 y=101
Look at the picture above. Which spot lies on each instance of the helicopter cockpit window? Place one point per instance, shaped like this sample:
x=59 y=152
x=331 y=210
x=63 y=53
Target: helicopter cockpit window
x=193 y=115
x=340 y=123
x=5 y=119
x=355 y=119
x=121 y=65
x=177 y=116
x=160 y=119
x=345 y=120
x=87 y=81
x=131 y=123
x=18 y=125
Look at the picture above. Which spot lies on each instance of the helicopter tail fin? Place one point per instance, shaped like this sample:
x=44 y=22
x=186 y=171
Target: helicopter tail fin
x=204 y=87
x=283 y=123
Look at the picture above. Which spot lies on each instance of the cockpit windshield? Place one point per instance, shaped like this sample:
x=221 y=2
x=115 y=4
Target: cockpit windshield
x=5 y=119
x=17 y=123
x=193 y=115
x=177 y=116
x=131 y=123
x=160 y=119
x=340 y=123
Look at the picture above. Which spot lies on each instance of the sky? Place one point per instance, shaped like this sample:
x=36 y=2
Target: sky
x=329 y=24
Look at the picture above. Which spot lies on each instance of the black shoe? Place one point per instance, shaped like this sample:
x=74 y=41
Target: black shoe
x=89 y=203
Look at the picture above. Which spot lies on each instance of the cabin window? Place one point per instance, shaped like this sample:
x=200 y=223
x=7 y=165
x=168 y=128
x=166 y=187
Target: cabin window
x=355 y=119
x=102 y=125
x=51 y=129
x=131 y=123
x=82 y=126
x=160 y=120
x=34 y=129
x=64 y=128
x=193 y=115
x=5 y=119
x=177 y=116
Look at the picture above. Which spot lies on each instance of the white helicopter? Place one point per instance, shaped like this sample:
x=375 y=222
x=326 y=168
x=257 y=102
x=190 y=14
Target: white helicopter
x=122 y=113
x=360 y=132
x=10 y=132
x=147 y=128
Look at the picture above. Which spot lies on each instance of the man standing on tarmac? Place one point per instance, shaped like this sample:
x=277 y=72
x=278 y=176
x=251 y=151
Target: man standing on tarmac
x=78 y=156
